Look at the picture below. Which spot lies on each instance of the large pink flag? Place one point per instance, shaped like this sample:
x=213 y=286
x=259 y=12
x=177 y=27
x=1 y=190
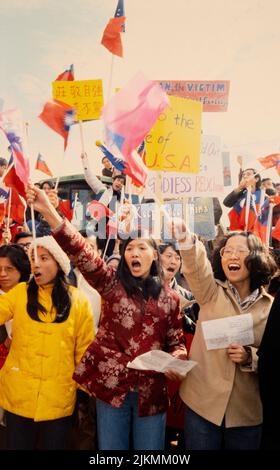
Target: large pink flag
x=129 y=116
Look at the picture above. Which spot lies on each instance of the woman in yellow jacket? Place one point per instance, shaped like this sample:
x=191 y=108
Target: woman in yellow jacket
x=52 y=327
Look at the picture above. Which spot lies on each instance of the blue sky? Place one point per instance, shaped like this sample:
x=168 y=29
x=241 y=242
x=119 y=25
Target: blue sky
x=178 y=39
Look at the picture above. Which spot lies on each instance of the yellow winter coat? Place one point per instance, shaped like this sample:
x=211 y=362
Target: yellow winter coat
x=36 y=379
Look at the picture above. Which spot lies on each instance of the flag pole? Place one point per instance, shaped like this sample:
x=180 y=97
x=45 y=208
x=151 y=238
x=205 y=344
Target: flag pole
x=82 y=136
x=247 y=208
x=110 y=77
x=58 y=177
x=75 y=204
x=9 y=209
x=33 y=232
x=31 y=206
x=106 y=247
x=269 y=224
x=262 y=198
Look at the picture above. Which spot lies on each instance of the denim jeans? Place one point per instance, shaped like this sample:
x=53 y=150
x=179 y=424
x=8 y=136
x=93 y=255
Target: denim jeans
x=201 y=434
x=114 y=426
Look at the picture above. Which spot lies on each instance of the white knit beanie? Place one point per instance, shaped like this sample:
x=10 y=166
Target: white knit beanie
x=53 y=247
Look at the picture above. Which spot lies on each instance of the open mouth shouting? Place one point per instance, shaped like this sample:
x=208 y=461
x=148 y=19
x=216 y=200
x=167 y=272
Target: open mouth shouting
x=234 y=267
x=37 y=276
x=135 y=266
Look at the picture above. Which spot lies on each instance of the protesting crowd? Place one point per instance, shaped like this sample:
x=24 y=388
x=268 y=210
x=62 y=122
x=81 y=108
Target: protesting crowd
x=75 y=311
x=120 y=331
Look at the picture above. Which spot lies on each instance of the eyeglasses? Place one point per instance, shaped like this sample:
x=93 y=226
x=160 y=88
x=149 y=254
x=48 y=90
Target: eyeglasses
x=229 y=252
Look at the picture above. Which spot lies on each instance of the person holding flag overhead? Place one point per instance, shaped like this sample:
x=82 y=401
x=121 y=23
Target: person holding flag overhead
x=245 y=201
x=109 y=197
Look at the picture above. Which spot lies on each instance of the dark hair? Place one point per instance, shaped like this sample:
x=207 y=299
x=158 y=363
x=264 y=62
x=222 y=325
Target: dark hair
x=163 y=246
x=257 y=177
x=270 y=192
x=22 y=235
x=61 y=299
x=120 y=177
x=259 y=262
x=149 y=287
x=49 y=183
x=18 y=258
x=103 y=158
x=3 y=161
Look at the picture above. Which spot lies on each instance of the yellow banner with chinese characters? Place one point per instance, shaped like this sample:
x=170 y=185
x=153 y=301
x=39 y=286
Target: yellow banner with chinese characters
x=173 y=144
x=86 y=96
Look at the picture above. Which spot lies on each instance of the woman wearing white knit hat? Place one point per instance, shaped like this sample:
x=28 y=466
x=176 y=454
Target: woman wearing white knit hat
x=52 y=327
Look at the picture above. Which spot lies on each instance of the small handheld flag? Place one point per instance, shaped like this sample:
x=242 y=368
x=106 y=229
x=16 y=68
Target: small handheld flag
x=42 y=166
x=111 y=38
x=120 y=12
x=67 y=75
x=271 y=161
x=59 y=117
x=118 y=163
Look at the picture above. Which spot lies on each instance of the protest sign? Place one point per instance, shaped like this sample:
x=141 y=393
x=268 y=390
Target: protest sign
x=86 y=96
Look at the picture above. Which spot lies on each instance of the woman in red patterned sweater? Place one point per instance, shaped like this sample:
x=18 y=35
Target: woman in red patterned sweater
x=140 y=314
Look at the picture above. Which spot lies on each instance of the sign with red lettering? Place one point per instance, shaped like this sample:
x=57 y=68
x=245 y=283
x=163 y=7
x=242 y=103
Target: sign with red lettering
x=212 y=94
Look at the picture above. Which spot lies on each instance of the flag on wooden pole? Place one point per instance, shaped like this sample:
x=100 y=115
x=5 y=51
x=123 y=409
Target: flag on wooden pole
x=42 y=166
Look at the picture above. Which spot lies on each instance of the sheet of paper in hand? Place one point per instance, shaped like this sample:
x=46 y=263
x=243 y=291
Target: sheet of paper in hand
x=220 y=333
x=161 y=361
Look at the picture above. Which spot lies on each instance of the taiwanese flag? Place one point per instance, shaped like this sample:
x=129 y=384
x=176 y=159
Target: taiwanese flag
x=42 y=166
x=18 y=207
x=111 y=38
x=21 y=164
x=238 y=212
x=64 y=206
x=98 y=210
x=142 y=150
x=260 y=228
x=117 y=162
x=67 y=75
x=276 y=231
x=59 y=117
x=11 y=180
x=3 y=201
x=271 y=161
x=120 y=12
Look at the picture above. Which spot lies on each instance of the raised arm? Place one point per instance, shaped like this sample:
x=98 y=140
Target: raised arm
x=93 y=268
x=196 y=267
x=92 y=180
